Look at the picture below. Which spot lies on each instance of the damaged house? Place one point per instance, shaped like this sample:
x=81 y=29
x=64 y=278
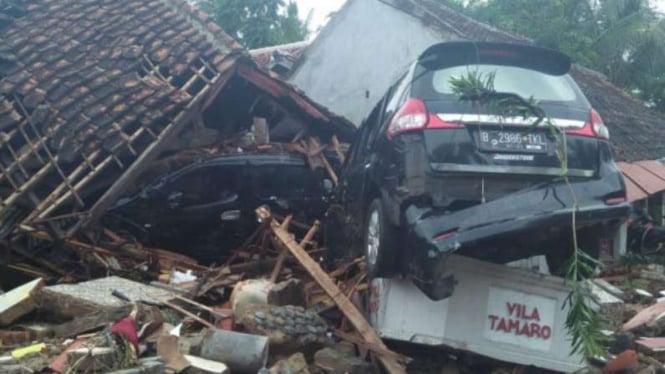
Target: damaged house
x=99 y=99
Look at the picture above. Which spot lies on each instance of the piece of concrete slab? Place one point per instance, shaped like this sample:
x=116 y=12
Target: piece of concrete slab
x=333 y=360
x=201 y=365
x=607 y=286
x=19 y=301
x=611 y=307
x=72 y=300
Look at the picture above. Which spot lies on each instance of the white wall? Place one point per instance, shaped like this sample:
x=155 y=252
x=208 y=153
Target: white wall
x=363 y=48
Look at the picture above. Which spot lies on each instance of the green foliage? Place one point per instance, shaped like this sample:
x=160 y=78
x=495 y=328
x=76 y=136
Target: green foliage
x=583 y=323
x=258 y=23
x=624 y=39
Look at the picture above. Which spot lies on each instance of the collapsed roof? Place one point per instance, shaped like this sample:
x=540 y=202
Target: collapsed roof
x=91 y=91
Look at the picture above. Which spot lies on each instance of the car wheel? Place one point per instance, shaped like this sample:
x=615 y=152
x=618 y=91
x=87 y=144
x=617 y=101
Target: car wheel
x=378 y=244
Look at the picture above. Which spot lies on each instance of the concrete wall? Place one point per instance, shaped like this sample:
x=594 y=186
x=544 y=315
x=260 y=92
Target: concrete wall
x=359 y=54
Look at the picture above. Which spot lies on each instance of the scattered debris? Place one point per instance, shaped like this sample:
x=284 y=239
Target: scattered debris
x=650 y=314
x=295 y=364
x=201 y=365
x=243 y=353
x=168 y=349
x=610 y=306
x=341 y=358
x=624 y=361
x=103 y=294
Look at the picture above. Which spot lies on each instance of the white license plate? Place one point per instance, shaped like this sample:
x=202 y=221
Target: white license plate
x=513 y=141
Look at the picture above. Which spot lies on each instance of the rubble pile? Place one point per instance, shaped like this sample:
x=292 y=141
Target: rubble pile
x=271 y=307
x=633 y=304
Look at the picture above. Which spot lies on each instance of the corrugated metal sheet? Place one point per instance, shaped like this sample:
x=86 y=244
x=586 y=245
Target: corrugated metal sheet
x=643 y=178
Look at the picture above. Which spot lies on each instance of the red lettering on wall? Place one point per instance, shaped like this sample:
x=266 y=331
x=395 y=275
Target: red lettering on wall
x=493 y=319
x=514 y=324
x=502 y=325
x=517 y=322
x=525 y=330
x=535 y=330
x=512 y=307
x=535 y=315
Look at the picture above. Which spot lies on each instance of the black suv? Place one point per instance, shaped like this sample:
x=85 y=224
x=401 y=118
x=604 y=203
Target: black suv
x=208 y=206
x=430 y=174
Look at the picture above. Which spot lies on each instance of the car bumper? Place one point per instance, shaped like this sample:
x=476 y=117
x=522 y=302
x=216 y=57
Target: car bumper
x=544 y=213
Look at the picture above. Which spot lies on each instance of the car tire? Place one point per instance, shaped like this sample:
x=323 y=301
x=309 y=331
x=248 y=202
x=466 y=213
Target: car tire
x=378 y=244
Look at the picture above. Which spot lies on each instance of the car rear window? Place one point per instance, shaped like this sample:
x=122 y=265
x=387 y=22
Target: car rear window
x=523 y=82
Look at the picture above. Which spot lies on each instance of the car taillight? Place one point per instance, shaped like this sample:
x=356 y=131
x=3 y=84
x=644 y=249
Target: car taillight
x=413 y=116
x=595 y=128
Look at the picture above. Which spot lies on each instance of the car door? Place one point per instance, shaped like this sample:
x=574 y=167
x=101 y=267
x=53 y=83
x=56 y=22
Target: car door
x=195 y=201
x=352 y=181
x=364 y=157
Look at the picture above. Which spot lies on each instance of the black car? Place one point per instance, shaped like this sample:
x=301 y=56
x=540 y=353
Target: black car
x=430 y=174
x=209 y=206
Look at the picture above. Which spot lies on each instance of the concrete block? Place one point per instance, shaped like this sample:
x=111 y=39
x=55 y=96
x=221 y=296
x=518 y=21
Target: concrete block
x=68 y=301
x=614 y=290
x=611 y=307
x=18 y=302
x=332 y=360
x=296 y=364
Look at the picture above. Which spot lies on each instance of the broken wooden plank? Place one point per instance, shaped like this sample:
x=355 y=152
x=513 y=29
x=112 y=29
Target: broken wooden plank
x=190 y=315
x=345 y=305
x=282 y=254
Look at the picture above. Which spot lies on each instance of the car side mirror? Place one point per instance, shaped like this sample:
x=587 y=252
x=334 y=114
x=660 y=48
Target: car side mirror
x=174 y=199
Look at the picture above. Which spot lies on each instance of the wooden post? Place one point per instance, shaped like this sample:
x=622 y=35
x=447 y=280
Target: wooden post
x=345 y=305
x=336 y=146
x=282 y=254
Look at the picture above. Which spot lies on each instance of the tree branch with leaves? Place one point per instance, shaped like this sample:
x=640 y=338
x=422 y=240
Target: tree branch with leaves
x=258 y=23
